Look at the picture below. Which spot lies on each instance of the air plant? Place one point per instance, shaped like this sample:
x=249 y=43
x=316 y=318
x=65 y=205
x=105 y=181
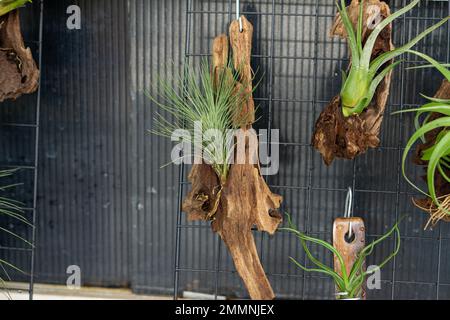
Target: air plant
x=365 y=75
x=12 y=209
x=437 y=155
x=201 y=104
x=349 y=286
x=10 y=5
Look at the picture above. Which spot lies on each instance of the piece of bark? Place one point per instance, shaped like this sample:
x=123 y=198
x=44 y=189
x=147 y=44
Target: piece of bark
x=245 y=200
x=18 y=71
x=241 y=43
x=441 y=185
x=336 y=136
x=348 y=250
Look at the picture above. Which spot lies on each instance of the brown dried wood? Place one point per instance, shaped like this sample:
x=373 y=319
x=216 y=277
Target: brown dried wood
x=245 y=200
x=348 y=250
x=336 y=136
x=18 y=71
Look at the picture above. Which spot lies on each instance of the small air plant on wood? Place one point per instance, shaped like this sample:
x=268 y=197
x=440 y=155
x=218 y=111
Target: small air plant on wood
x=351 y=122
x=200 y=103
x=349 y=285
x=432 y=129
x=18 y=71
x=10 y=209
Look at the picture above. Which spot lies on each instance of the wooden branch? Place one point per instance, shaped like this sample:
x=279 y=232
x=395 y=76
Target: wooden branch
x=246 y=200
x=18 y=71
x=336 y=136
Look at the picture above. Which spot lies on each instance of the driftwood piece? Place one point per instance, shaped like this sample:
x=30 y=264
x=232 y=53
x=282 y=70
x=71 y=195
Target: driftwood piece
x=348 y=250
x=336 y=136
x=18 y=71
x=442 y=186
x=246 y=200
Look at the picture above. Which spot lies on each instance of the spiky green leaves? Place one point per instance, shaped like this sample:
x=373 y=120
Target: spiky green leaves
x=352 y=283
x=11 y=209
x=10 y=5
x=201 y=104
x=438 y=154
x=365 y=75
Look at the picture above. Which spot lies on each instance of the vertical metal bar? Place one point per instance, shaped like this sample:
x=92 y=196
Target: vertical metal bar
x=311 y=148
x=36 y=152
x=399 y=152
x=181 y=173
x=438 y=282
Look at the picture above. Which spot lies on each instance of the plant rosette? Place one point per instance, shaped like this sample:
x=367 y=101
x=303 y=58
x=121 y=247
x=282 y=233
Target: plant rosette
x=349 y=286
x=351 y=122
x=432 y=129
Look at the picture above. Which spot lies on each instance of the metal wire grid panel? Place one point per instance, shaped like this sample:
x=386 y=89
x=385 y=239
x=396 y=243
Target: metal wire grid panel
x=20 y=119
x=301 y=67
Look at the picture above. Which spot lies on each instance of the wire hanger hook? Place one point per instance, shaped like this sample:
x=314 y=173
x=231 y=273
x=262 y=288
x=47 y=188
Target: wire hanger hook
x=238 y=16
x=348 y=209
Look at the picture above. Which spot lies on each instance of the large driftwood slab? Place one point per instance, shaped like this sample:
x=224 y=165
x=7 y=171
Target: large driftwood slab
x=246 y=200
x=336 y=136
x=18 y=71
x=442 y=186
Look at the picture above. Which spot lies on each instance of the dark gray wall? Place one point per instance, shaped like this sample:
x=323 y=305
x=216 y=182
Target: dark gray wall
x=106 y=205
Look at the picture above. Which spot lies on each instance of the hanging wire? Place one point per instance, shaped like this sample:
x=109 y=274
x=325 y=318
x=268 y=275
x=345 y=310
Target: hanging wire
x=348 y=209
x=238 y=16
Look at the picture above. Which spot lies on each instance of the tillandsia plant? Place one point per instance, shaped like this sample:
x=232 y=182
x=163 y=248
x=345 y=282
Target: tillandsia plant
x=349 y=285
x=11 y=209
x=434 y=115
x=10 y=5
x=203 y=104
x=361 y=83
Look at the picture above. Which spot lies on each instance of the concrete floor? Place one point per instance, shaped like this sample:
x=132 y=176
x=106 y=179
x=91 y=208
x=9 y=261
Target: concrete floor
x=19 y=291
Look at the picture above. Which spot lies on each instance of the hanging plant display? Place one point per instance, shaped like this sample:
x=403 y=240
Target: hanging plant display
x=349 y=272
x=233 y=196
x=18 y=71
x=432 y=129
x=351 y=122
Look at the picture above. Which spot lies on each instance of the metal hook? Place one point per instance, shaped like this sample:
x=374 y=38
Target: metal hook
x=348 y=209
x=238 y=17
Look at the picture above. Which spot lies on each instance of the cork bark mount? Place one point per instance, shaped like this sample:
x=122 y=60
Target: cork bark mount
x=442 y=186
x=18 y=71
x=245 y=200
x=336 y=136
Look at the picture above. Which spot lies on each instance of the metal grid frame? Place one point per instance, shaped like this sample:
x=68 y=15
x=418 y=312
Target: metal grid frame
x=34 y=168
x=316 y=105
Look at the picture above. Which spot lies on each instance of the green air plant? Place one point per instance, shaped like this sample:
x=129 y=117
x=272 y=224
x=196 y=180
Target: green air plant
x=201 y=104
x=437 y=155
x=10 y=5
x=348 y=286
x=360 y=85
x=11 y=209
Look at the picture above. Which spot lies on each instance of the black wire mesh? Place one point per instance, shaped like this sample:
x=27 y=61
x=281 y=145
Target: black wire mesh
x=20 y=122
x=301 y=73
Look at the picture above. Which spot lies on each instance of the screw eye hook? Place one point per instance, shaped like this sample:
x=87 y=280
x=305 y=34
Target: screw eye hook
x=348 y=209
x=238 y=16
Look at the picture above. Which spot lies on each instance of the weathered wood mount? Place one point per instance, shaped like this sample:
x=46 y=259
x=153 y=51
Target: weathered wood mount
x=18 y=71
x=336 y=136
x=245 y=199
